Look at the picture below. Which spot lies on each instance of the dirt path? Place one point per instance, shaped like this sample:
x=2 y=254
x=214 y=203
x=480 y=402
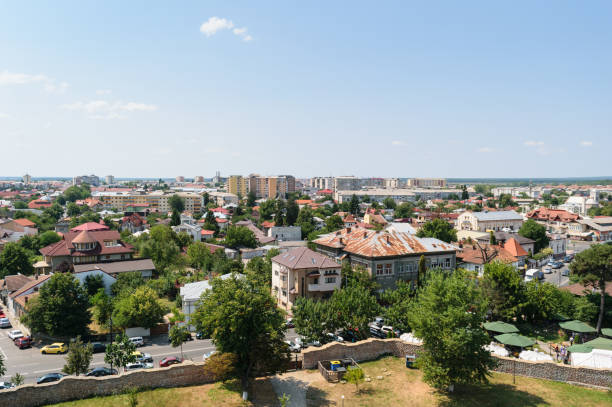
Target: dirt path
x=294 y=384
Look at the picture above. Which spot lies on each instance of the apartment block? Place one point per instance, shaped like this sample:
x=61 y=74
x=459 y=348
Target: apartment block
x=237 y=185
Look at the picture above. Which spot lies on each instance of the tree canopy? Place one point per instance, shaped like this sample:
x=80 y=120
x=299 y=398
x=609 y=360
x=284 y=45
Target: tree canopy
x=533 y=230
x=14 y=259
x=78 y=357
x=404 y=210
x=440 y=229
x=240 y=236
x=140 y=308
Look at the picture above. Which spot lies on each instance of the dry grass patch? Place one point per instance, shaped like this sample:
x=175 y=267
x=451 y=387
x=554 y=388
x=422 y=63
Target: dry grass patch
x=404 y=387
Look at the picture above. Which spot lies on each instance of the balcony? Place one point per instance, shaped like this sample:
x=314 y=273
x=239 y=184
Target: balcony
x=324 y=286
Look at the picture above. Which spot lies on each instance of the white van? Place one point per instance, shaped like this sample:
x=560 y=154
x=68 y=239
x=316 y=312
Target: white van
x=137 y=340
x=533 y=274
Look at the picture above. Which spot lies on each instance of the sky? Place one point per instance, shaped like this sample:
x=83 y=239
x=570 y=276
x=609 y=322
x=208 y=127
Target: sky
x=317 y=88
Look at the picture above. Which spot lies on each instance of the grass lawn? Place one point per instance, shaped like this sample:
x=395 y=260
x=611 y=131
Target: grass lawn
x=404 y=387
x=216 y=394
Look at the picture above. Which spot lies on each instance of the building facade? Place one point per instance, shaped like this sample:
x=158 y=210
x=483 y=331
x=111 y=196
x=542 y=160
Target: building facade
x=485 y=221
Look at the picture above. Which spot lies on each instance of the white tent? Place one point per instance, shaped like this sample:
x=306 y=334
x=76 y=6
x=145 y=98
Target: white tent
x=597 y=358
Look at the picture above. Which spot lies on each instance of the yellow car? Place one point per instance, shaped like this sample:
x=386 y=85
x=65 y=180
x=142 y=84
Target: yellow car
x=58 y=347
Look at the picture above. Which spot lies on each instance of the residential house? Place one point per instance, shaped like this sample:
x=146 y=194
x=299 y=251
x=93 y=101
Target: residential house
x=527 y=244
x=485 y=221
x=207 y=235
x=474 y=257
x=39 y=204
x=259 y=235
x=133 y=223
x=12 y=283
x=558 y=244
x=303 y=273
x=83 y=271
x=62 y=226
x=283 y=233
x=388 y=255
x=349 y=221
x=190 y=226
x=145 y=267
x=599 y=227
x=22 y=225
x=17 y=301
x=223 y=198
x=555 y=220
x=374 y=219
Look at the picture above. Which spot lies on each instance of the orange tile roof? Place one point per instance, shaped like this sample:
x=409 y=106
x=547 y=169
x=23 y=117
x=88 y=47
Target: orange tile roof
x=473 y=254
x=25 y=223
x=514 y=248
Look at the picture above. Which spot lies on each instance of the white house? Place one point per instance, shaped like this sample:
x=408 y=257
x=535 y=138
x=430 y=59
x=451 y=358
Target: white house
x=484 y=221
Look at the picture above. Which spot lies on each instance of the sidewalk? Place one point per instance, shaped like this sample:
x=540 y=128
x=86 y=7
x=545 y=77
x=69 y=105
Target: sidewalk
x=16 y=324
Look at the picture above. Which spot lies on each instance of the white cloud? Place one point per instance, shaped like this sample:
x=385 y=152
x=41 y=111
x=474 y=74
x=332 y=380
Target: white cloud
x=398 y=143
x=101 y=109
x=50 y=85
x=532 y=143
x=103 y=92
x=215 y=24
x=485 y=150
x=585 y=143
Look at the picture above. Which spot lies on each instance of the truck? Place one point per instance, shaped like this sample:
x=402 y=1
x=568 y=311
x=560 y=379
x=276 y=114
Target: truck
x=533 y=274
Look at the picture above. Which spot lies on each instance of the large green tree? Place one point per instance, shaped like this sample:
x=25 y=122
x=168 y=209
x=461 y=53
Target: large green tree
x=448 y=316
x=440 y=229
x=398 y=303
x=240 y=236
x=161 y=247
x=333 y=223
x=305 y=220
x=504 y=288
x=292 y=212
x=14 y=259
x=311 y=318
x=243 y=319
x=61 y=309
x=404 y=210
x=78 y=357
x=354 y=205
x=533 y=230
x=594 y=266
x=353 y=308
x=141 y=308
x=176 y=203
x=177 y=336
x=121 y=352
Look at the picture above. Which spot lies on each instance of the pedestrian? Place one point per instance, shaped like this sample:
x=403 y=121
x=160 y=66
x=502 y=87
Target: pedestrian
x=571 y=340
x=557 y=351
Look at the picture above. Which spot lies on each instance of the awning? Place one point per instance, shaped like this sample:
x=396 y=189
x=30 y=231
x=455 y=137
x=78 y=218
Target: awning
x=600 y=343
x=580 y=349
x=606 y=332
x=577 y=326
x=515 y=340
x=500 y=327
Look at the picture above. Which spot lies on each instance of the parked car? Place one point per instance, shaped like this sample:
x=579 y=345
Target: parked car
x=169 y=360
x=101 y=371
x=5 y=323
x=137 y=340
x=23 y=342
x=293 y=347
x=48 y=378
x=138 y=365
x=334 y=338
x=14 y=334
x=557 y=265
x=379 y=321
x=98 y=347
x=389 y=331
x=200 y=335
x=349 y=336
x=290 y=323
x=143 y=357
x=376 y=332
x=207 y=355
x=58 y=347
x=565 y=272
x=2 y=315
x=568 y=258
x=547 y=269
x=303 y=344
x=533 y=274
x=187 y=338
x=6 y=385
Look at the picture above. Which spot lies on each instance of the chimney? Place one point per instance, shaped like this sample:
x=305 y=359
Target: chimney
x=348 y=230
x=26 y=299
x=341 y=241
x=388 y=242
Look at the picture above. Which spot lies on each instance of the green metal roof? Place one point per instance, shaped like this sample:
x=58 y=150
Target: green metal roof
x=501 y=327
x=580 y=349
x=600 y=343
x=515 y=340
x=606 y=332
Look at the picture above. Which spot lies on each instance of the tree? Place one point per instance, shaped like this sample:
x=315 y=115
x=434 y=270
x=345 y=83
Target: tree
x=221 y=366
x=354 y=205
x=73 y=209
x=354 y=375
x=17 y=379
x=61 y=309
x=421 y=270
x=533 y=230
x=353 y=308
x=176 y=203
x=594 y=267
x=357 y=276
x=398 y=302
x=267 y=209
x=78 y=358
x=440 y=229
x=240 y=236
x=292 y=212
x=141 y=308
x=543 y=301
x=121 y=352
x=175 y=219
x=251 y=198
x=93 y=283
x=448 y=316
x=14 y=259
x=102 y=307
x=464 y=193
x=210 y=222
x=389 y=203
x=334 y=222
x=47 y=238
x=2 y=366
x=492 y=239
x=311 y=319
x=200 y=256
x=178 y=335
x=505 y=200
x=260 y=268
x=404 y=210
x=305 y=221
x=244 y=320
x=504 y=289
x=127 y=283
x=161 y=247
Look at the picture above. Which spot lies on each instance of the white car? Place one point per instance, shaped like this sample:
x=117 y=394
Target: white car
x=547 y=270
x=139 y=365
x=293 y=347
x=15 y=334
x=137 y=340
x=207 y=355
x=5 y=323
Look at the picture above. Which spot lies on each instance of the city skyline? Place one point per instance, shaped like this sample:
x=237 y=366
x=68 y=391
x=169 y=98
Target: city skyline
x=393 y=90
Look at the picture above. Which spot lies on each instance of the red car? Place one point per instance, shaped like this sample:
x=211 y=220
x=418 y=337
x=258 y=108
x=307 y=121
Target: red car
x=23 y=342
x=170 y=360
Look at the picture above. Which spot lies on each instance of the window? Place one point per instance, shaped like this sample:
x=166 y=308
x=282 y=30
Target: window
x=315 y=281
x=401 y=268
x=330 y=280
x=379 y=269
x=284 y=293
x=447 y=263
x=388 y=269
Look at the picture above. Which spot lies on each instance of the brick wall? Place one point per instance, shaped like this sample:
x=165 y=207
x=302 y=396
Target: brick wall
x=373 y=348
x=70 y=388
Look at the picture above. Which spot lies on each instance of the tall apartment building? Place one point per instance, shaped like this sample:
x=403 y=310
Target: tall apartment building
x=322 y=182
x=155 y=201
x=109 y=179
x=27 y=179
x=198 y=178
x=426 y=182
x=347 y=183
x=180 y=178
x=92 y=180
x=271 y=186
x=238 y=185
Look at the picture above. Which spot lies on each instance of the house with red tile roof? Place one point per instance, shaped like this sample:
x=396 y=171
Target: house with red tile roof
x=303 y=273
x=26 y=223
x=39 y=204
x=474 y=257
x=91 y=227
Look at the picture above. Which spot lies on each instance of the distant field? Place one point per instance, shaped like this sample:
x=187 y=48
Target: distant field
x=399 y=387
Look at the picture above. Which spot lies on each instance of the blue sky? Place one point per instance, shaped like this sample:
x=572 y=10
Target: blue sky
x=450 y=89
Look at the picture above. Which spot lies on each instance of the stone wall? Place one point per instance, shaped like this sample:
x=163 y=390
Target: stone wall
x=373 y=348
x=71 y=388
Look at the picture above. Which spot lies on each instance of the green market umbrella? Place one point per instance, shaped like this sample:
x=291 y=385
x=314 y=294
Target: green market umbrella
x=580 y=349
x=501 y=327
x=606 y=332
x=600 y=343
x=515 y=340
x=577 y=326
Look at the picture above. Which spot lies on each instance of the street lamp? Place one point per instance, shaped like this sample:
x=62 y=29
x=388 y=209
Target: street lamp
x=342 y=400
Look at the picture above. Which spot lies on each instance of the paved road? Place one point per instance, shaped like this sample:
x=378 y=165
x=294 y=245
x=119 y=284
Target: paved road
x=557 y=278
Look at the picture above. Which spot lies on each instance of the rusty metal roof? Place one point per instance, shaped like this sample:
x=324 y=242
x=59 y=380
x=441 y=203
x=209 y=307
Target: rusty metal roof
x=369 y=243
